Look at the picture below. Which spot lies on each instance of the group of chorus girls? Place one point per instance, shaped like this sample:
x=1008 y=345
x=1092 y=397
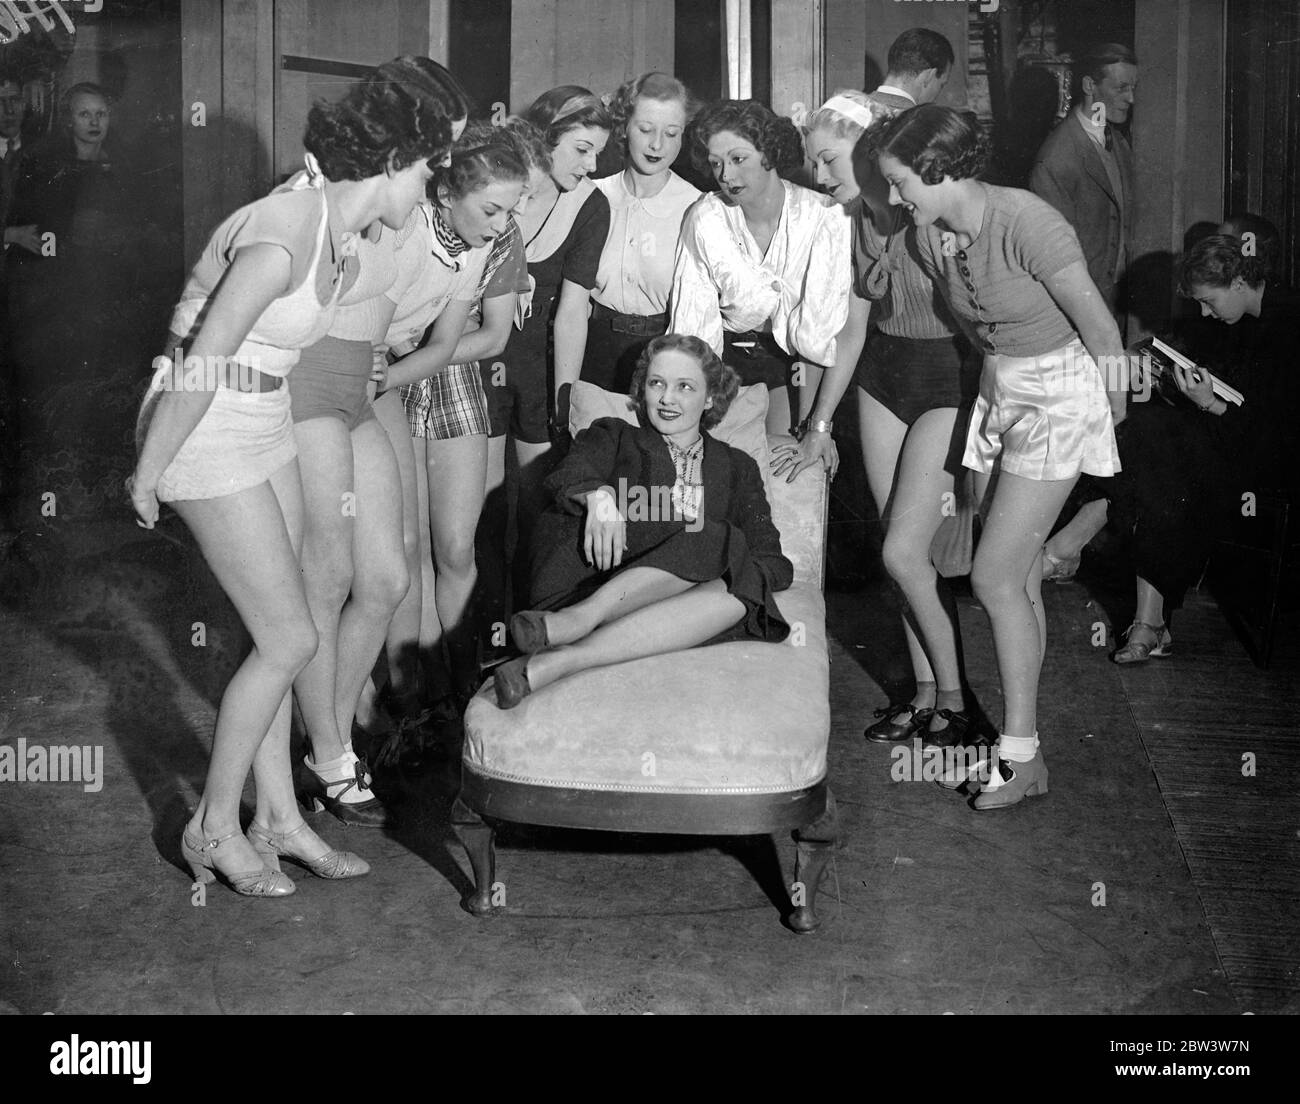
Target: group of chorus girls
x=431 y=286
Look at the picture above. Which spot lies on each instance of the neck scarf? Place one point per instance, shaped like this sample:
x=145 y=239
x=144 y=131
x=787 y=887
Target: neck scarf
x=452 y=242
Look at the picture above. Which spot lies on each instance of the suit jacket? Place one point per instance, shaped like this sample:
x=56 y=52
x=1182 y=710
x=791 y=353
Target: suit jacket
x=733 y=540
x=10 y=169
x=1070 y=174
x=889 y=100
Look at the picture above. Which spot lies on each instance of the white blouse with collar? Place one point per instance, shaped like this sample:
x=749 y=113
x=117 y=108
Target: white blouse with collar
x=799 y=289
x=636 y=265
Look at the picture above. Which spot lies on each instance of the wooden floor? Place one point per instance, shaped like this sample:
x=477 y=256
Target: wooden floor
x=1155 y=878
x=1224 y=743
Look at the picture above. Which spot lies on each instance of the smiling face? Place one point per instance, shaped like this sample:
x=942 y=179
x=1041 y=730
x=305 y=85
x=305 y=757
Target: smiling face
x=737 y=166
x=574 y=157
x=833 y=158
x=481 y=215
x=676 y=395
x=402 y=190
x=89 y=117
x=924 y=202
x=1227 y=304
x=654 y=135
x=1114 y=91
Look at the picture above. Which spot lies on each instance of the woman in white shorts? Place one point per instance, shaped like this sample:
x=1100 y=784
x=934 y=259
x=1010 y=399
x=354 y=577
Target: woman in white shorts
x=219 y=446
x=1012 y=271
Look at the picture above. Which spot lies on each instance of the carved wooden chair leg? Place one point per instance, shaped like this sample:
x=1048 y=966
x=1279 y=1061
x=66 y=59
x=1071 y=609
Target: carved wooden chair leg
x=815 y=843
x=477 y=837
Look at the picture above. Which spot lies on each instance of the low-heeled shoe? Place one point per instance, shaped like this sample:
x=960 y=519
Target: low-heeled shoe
x=889 y=731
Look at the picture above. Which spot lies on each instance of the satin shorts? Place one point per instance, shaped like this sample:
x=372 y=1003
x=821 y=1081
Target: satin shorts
x=1042 y=417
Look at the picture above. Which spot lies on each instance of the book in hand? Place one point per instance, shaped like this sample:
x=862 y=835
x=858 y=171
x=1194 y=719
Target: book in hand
x=1160 y=361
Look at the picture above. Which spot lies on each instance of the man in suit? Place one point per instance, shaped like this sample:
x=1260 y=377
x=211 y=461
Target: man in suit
x=1085 y=167
x=12 y=110
x=920 y=62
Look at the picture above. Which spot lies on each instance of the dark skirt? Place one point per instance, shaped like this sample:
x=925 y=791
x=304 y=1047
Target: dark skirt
x=561 y=575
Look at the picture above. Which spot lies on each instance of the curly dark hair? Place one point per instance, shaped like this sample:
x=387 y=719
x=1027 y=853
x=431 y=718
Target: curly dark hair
x=721 y=380
x=526 y=142
x=935 y=142
x=1218 y=260
x=649 y=86
x=479 y=157
x=567 y=108
x=774 y=136
x=402 y=113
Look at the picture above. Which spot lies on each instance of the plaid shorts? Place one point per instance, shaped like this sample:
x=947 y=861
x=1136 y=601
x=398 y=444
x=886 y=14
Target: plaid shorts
x=450 y=404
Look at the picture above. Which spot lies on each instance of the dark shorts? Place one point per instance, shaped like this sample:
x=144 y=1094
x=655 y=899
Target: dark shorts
x=758 y=358
x=615 y=343
x=518 y=401
x=909 y=375
x=330 y=381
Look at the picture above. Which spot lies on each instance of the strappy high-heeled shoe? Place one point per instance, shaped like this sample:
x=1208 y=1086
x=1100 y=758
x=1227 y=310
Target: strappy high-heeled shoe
x=200 y=855
x=335 y=864
x=325 y=794
x=1135 y=651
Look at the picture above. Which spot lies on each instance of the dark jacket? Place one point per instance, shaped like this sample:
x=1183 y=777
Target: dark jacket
x=735 y=539
x=1070 y=174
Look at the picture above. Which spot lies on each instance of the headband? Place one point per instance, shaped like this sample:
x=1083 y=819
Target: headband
x=861 y=114
x=572 y=106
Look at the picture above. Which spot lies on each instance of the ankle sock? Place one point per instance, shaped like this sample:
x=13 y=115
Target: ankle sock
x=340 y=770
x=1018 y=749
x=950 y=699
x=924 y=696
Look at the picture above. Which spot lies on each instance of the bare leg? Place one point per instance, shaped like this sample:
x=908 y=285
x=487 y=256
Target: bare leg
x=456 y=476
x=1150 y=603
x=915 y=514
x=682 y=621
x=629 y=590
x=330 y=498
x=1071 y=539
x=246 y=541
x=402 y=640
x=882 y=435
x=379 y=577
x=490 y=547
x=1011 y=544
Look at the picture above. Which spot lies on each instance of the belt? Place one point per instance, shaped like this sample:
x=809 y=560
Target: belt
x=754 y=343
x=638 y=325
x=215 y=372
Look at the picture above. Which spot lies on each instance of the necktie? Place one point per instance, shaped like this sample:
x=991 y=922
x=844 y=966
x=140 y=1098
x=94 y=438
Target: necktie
x=1108 y=140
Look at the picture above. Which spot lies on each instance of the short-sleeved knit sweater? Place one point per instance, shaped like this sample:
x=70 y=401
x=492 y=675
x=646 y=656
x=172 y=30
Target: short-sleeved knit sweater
x=1023 y=241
